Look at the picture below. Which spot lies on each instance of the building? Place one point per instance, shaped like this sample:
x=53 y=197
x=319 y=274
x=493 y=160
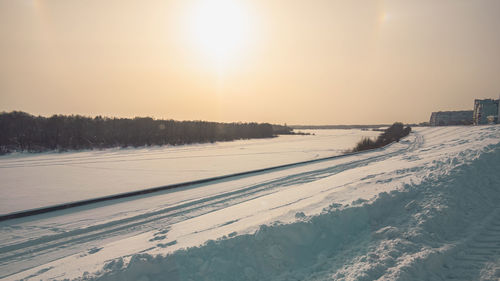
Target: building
x=485 y=112
x=448 y=118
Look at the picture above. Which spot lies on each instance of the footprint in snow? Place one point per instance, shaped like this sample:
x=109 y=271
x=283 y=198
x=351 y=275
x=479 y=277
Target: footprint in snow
x=229 y=222
x=94 y=250
x=167 y=244
x=162 y=232
x=156 y=238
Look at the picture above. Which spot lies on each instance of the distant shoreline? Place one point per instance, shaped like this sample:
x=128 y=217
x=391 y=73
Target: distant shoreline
x=319 y=127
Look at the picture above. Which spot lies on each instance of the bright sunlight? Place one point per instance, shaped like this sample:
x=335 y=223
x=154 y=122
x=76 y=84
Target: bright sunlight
x=220 y=29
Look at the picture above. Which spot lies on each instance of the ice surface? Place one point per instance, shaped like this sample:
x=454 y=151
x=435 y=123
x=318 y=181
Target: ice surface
x=422 y=209
x=29 y=181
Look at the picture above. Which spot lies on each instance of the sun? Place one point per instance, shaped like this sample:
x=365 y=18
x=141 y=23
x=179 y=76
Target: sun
x=220 y=29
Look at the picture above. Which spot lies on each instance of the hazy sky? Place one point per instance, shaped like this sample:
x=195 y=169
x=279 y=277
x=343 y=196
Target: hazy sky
x=299 y=62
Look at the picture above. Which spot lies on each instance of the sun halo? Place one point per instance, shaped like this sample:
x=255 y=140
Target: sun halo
x=220 y=29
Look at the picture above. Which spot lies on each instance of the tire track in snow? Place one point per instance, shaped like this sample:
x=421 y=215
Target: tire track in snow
x=247 y=193
x=31 y=212
x=46 y=245
x=112 y=160
x=138 y=156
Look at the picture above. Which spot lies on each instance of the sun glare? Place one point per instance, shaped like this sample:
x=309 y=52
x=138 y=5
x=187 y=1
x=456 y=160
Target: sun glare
x=219 y=28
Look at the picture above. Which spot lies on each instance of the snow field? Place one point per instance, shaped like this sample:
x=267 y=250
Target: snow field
x=421 y=209
x=427 y=231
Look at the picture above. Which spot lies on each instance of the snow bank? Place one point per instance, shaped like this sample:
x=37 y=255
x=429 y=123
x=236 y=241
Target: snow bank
x=424 y=231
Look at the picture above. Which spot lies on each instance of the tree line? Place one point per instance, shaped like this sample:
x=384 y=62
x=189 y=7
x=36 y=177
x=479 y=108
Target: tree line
x=20 y=131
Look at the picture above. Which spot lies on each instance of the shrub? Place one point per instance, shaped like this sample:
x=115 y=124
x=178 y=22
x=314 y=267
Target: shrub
x=394 y=133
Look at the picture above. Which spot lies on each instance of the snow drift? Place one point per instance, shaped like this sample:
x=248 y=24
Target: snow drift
x=422 y=232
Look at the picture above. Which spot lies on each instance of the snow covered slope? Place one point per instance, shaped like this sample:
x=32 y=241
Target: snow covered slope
x=426 y=208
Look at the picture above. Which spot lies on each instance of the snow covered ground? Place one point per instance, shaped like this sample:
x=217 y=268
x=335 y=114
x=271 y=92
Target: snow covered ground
x=29 y=181
x=426 y=208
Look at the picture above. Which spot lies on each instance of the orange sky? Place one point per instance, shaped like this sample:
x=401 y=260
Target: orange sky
x=299 y=62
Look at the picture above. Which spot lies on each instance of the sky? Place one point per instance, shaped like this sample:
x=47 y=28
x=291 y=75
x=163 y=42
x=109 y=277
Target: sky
x=278 y=61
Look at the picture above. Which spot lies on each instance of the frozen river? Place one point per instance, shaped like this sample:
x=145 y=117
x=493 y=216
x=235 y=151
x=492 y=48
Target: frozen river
x=29 y=181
